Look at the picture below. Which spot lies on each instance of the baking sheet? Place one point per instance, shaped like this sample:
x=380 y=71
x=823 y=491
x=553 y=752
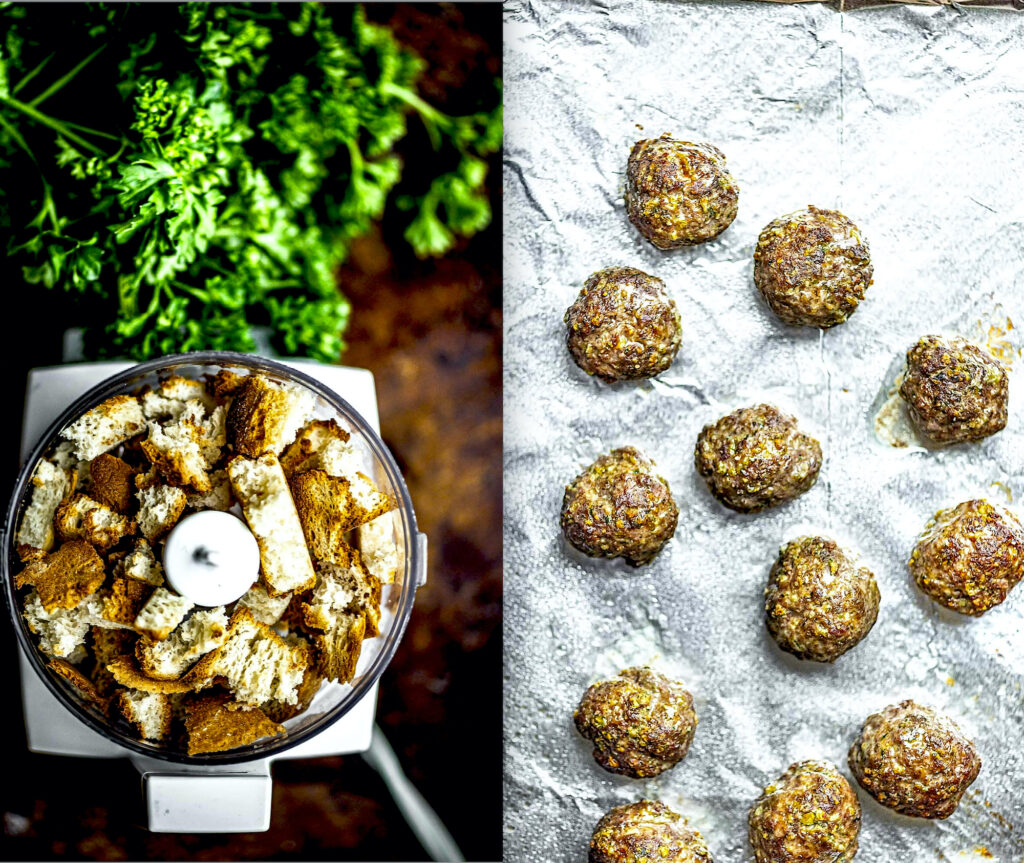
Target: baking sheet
x=910 y=120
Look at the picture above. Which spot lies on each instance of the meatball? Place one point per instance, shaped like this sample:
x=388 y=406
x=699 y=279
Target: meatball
x=641 y=723
x=812 y=267
x=819 y=601
x=647 y=830
x=954 y=390
x=914 y=760
x=619 y=507
x=810 y=814
x=970 y=557
x=679 y=193
x=623 y=326
x=755 y=458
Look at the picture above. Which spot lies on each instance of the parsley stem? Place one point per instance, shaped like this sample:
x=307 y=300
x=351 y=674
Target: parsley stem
x=30 y=75
x=60 y=82
x=56 y=125
x=432 y=118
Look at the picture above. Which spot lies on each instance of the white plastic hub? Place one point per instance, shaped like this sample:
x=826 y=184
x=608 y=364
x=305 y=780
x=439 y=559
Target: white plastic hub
x=211 y=558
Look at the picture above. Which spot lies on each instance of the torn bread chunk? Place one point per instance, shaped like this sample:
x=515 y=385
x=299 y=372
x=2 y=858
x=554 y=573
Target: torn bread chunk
x=65 y=577
x=85 y=688
x=211 y=430
x=219 y=496
x=125 y=600
x=105 y=426
x=141 y=564
x=176 y=452
x=338 y=649
x=62 y=632
x=379 y=549
x=265 y=415
x=330 y=506
x=264 y=607
x=256 y=662
x=168 y=400
x=171 y=658
x=160 y=507
x=126 y=672
x=51 y=485
x=162 y=613
x=223 y=385
x=215 y=723
x=311 y=440
x=149 y=712
x=107 y=645
x=111 y=481
x=345 y=586
x=311 y=682
x=81 y=517
x=261 y=488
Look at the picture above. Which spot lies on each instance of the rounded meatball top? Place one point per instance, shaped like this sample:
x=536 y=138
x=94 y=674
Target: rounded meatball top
x=647 y=830
x=641 y=723
x=914 y=760
x=954 y=390
x=679 y=193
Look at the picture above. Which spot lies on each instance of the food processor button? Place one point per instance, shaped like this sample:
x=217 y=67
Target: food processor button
x=211 y=558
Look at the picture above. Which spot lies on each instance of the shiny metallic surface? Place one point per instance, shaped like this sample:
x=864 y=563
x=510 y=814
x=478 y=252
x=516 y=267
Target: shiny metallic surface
x=909 y=121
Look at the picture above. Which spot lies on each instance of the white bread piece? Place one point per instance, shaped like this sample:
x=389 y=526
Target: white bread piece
x=210 y=429
x=63 y=631
x=219 y=496
x=160 y=507
x=379 y=549
x=141 y=564
x=261 y=488
x=169 y=399
x=176 y=451
x=51 y=485
x=309 y=441
x=257 y=663
x=344 y=586
x=162 y=613
x=149 y=712
x=264 y=607
x=339 y=458
x=172 y=657
x=81 y=517
x=105 y=426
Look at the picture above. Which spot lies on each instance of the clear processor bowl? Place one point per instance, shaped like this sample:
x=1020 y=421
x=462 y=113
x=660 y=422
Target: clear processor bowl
x=333 y=700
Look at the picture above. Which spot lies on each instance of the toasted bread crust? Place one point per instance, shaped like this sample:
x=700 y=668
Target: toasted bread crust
x=126 y=672
x=86 y=688
x=338 y=649
x=308 y=442
x=257 y=417
x=224 y=384
x=215 y=723
x=126 y=599
x=112 y=483
x=65 y=577
x=82 y=517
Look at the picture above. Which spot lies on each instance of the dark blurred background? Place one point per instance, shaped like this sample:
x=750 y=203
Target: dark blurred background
x=431 y=334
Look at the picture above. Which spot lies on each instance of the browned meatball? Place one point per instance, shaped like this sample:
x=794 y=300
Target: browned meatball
x=756 y=457
x=970 y=557
x=810 y=814
x=819 y=601
x=954 y=390
x=679 y=193
x=619 y=507
x=914 y=760
x=812 y=267
x=646 y=831
x=641 y=723
x=623 y=325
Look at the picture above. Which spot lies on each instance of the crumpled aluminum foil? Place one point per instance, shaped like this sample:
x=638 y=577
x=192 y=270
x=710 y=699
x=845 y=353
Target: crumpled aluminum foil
x=909 y=120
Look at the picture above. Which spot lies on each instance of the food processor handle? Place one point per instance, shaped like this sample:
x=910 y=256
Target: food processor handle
x=182 y=799
x=421 y=574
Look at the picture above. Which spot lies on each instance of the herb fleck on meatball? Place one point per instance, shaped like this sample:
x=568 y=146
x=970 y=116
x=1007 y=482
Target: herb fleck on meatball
x=914 y=760
x=812 y=267
x=756 y=457
x=679 y=193
x=646 y=831
x=970 y=557
x=954 y=390
x=623 y=325
x=810 y=814
x=619 y=507
x=641 y=723
x=819 y=601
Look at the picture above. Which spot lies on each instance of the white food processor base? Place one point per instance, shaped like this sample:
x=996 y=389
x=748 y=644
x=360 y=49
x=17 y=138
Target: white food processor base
x=180 y=798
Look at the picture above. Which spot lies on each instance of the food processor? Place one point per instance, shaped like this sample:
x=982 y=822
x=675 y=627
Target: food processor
x=221 y=791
